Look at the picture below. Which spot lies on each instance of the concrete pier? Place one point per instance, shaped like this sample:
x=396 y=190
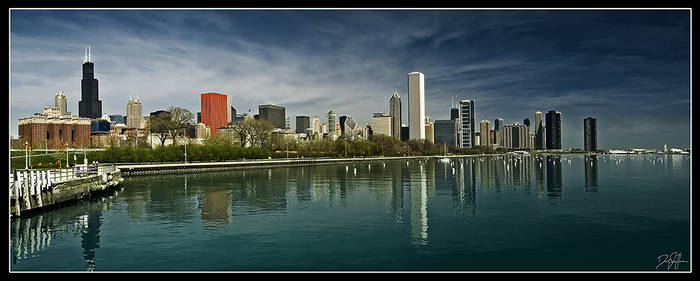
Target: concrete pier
x=33 y=190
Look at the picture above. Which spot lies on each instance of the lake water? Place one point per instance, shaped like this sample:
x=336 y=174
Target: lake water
x=569 y=212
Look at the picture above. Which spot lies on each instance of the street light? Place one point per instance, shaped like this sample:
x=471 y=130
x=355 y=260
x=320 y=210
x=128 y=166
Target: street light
x=26 y=155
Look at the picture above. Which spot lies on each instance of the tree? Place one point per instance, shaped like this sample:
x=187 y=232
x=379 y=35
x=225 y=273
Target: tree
x=261 y=133
x=159 y=125
x=180 y=119
x=242 y=130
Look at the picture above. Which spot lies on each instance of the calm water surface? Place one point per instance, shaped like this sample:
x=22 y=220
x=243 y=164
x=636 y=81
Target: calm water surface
x=508 y=213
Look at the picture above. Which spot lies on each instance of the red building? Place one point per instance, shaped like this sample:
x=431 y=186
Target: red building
x=215 y=110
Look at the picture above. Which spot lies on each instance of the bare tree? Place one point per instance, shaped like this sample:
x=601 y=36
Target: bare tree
x=261 y=133
x=159 y=125
x=242 y=131
x=180 y=119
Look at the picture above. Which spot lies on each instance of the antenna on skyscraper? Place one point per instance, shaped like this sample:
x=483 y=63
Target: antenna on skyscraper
x=89 y=54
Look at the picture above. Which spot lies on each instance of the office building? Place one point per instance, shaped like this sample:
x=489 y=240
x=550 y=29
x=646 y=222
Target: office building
x=215 y=111
x=404 y=133
x=498 y=132
x=553 y=129
x=395 y=113
x=416 y=105
x=350 y=128
x=99 y=126
x=381 y=124
x=303 y=123
x=446 y=132
x=429 y=130
x=341 y=122
x=466 y=132
x=539 y=131
x=485 y=132
x=286 y=122
x=61 y=103
x=515 y=136
x=134 y=114
x=272 y=113
x=330 y=117
x=590 y=142
x=316 y=125
x=89 y=105
x=117 y=119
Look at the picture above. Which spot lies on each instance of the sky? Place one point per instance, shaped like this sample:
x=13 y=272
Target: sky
x=629 y=69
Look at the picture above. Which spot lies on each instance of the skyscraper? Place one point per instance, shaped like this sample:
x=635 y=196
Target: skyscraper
x=134 y=114
x=539 y=131
x=416 y=105
x=330 y=116
x=316 y=125
x=485 y=132
x=273 y=113
x=395 y=113
x=303 y=123
x=381 y=124
x=515 y=136
x=498 y=131
x=429 y=130
x=60 y=103
x=445 y=132
x=466 y=108
x=89 y=105
x=590 y=132
x=215 y=110
x=341 y=122
x=553 y=129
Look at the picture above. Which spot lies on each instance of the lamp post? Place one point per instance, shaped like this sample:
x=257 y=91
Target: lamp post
x=185 y=135
x=26 y=155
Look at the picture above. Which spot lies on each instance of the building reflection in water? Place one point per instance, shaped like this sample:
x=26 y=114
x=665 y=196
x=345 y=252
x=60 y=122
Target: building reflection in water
x=591 y=173
x=539 y=164
x=32 y=235
x=554 y=176
x=397 y=180
x=216 y=208
x=419 y=204
x=464 y=191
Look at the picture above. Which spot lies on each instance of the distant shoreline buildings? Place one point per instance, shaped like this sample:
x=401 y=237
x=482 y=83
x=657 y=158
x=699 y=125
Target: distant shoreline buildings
x=56 y=127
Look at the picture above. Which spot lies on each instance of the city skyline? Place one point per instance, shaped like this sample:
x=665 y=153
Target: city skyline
x=46 y=48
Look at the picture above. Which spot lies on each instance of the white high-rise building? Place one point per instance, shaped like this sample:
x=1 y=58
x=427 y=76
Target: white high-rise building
x=416 y=105
x=381 y=124
x=316 y=125
x=134 y=117
x=60 y=103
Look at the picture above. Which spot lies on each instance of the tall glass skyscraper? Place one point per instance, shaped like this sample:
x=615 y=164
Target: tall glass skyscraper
x=590 y=132
x=553 y=129
x=395 y=113
x=89 y=105
x=539 y=131
x=466 y=108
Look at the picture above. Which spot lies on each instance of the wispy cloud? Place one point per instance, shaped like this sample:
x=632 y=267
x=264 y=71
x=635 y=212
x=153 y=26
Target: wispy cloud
x=512 y=62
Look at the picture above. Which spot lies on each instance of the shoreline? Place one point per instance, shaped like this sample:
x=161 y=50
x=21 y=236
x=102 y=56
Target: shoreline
x=129 y=170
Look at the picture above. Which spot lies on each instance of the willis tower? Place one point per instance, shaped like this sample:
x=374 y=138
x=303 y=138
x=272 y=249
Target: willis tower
x=89 y=106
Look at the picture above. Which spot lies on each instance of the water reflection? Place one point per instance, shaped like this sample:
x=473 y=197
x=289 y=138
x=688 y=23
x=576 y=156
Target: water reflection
x=591 y=173
x=419 y=205
x=30 y=236
x=554 y=176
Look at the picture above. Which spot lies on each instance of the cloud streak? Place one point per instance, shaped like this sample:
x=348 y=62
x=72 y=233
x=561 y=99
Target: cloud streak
x=512 y=62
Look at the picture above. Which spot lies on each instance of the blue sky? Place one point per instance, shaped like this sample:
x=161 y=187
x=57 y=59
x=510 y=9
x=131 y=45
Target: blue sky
x=629 y=69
